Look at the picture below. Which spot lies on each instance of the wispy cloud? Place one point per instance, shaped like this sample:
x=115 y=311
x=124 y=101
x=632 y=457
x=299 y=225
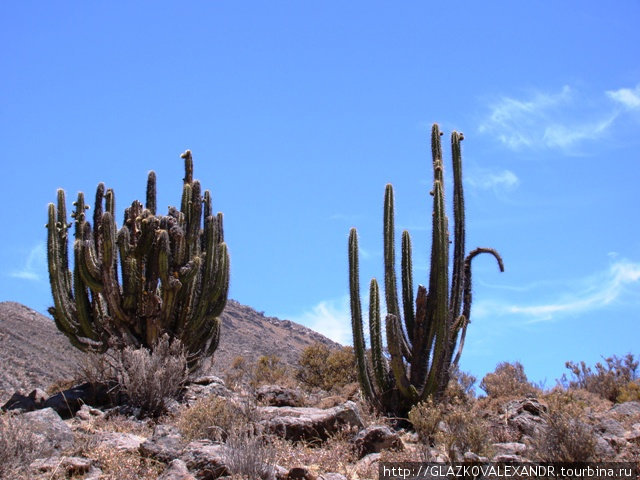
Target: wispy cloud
x=594 y=292
x=331 y=318
x=561 y=120
x=35 y=265
x=628 y=97
x=496 y=181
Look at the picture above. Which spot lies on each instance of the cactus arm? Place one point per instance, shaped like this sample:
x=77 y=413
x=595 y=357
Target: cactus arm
x=150 y=204
x=390 y=284
x=457 y=279
x=378 y=360
x=398 y=367
x=407 y=286
x=359 y=346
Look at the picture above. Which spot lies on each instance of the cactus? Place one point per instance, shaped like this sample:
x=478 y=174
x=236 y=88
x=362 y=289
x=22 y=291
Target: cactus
x=421 y=353
x=174 y=269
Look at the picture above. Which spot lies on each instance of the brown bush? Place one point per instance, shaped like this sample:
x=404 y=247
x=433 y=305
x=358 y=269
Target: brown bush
x=508 y=380
x=269 y=369
x=454 y=425
x=238 y=373
x=567 y=437
x=607 y=380
x=210 y=417
x=325 y=368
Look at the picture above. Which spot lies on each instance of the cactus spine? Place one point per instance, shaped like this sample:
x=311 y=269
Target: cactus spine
x=421 y=353
x=174 y=268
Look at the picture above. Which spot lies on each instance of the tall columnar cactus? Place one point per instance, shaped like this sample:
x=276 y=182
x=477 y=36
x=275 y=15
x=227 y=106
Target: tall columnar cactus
x=174 y=269
x=423 y=352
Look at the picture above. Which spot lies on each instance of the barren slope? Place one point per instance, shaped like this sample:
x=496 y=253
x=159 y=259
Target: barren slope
x=33 y=353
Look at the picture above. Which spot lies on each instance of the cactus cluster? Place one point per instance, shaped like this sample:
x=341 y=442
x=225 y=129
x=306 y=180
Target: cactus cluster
x=174 y=271
x=421 y=354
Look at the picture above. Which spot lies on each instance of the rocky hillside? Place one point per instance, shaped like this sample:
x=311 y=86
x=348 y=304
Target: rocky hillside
x=34 y=354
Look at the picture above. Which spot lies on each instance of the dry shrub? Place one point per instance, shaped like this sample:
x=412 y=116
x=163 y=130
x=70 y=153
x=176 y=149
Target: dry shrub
x=607 y=380
x=567 y=436
x=335 y=454
x=248 y=455
x=238 y=373
x=269 y=369
x=326 y=368
x=456 y=426
x=209 y=417
x=148 y=379
x=629 y=392
x=508 y=380
x=425 y=418
x=121 y=465
x=19 y=446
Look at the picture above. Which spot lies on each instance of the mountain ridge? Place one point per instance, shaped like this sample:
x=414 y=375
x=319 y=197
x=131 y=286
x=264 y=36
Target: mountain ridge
x=34 y=354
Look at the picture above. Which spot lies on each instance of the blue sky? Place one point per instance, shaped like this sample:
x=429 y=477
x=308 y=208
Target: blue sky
x=299 y=113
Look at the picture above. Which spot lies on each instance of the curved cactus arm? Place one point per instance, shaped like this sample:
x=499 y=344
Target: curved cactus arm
x=466 y=311
x=359 y=345
x=461 y=325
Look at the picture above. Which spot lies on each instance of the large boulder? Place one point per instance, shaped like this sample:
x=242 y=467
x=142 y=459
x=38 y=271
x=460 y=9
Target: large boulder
x=165 y=444
x=300 y=423
x=54 y=436
x=376 y=438
x=277 y=396
x=527 y=415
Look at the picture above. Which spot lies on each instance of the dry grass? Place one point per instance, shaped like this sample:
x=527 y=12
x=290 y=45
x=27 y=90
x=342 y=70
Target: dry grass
x=18 y=445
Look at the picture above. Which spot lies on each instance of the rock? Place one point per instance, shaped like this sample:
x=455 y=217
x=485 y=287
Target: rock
x=368 y=461
x=526 y=415
x=610 y=428
x=633 y=435
x=177 y=470
x=69 y=401
x=204 y=387
x=471 y=457
x=54 y=435
x=376 y=438
x=277 y=396
x=165 y=444
x=206 y=459
x=300 y=473
x=127 y=442
x=70 y=465
x=604 y=448
x=509 y=448
x=332 y=476
x=300 y=423
x=34 y=401
x=86 y=413
x=626 y=409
